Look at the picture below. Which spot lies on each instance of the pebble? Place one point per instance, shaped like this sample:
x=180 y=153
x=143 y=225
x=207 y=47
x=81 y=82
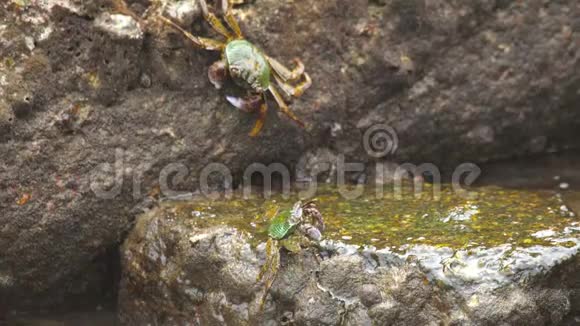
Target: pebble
x=564 y=185
x=184 y=12
x=120 y=26
x=346 y=237
x=544 y=234
x=145 y=81
x=29 y=41
x=335 y=129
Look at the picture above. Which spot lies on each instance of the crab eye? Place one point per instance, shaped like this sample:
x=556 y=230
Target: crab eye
x=235 y=71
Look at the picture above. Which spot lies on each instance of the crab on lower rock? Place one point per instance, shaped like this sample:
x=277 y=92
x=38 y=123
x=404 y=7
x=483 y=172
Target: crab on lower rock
x=302 y=217
x=294 y=229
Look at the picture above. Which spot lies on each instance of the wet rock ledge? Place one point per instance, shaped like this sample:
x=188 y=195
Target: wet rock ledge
x=497 y=257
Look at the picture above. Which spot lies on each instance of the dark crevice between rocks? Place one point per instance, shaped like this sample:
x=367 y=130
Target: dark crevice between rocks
x=343 y=304
x=92 y=292
x=539 y=171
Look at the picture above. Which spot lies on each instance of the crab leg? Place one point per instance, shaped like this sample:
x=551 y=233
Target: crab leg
x=271 y=266
x=261 y=118
x=295 y=91
x=283 y=106
x=202 y=42
x=251 y=104
x=121 y=7
x=286 y=74
x=212 y=19
x=156 y=7
x=230 y=19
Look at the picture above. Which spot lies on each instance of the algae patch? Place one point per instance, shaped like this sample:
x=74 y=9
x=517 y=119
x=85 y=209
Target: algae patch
x=492 y=217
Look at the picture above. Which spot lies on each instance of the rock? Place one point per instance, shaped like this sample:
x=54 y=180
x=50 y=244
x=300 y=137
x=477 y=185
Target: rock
x=184 y=12
x=447 y=76
x=369 y=295
x=180 y=267
x=317 y=301
x=120 y=26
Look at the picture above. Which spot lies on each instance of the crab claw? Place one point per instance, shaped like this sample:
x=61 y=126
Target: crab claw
x=314 y=214
x=217 y=74
x=248 y=104
x=311 y=232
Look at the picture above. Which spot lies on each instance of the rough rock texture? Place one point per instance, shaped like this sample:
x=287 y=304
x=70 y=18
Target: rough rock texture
x=85 y=96
x=175 y=273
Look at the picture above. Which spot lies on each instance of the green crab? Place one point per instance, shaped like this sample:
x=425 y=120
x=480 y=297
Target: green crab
x=243 y=63
x=304 y=218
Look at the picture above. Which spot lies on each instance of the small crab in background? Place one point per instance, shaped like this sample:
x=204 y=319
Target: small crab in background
x=243 y=63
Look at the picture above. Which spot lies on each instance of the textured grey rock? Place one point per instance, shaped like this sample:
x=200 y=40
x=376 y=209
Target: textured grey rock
x=177 y=273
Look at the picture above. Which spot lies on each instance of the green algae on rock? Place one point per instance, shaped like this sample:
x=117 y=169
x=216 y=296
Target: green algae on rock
x=490 y=217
